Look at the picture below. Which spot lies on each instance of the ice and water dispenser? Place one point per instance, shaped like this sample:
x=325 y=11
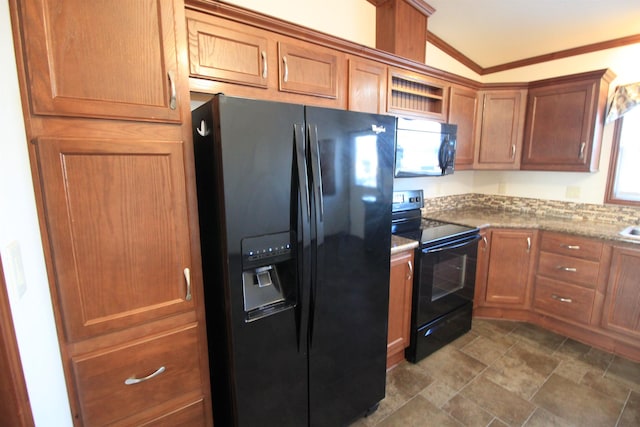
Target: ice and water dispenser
x=268 y=274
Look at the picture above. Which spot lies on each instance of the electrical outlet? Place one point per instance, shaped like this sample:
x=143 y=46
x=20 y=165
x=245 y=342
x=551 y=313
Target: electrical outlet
x=502 y=188
x=573 y=192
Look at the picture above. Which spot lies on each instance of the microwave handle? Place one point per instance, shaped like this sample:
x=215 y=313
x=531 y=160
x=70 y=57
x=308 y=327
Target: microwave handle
x=444 y=156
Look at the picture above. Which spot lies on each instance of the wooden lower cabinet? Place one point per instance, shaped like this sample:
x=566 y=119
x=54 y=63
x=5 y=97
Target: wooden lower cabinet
x=583 y=288
x=136 y=377
x=503 y=278
x=400 y=290
x=622 y=305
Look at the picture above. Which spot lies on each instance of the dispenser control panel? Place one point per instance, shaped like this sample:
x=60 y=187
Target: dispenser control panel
x=269 y=248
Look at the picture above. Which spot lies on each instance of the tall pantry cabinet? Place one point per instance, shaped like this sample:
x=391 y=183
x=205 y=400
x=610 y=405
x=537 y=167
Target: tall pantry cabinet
x=106 y=104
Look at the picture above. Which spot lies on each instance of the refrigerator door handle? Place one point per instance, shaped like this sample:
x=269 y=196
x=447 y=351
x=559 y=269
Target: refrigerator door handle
x=315 y=169
x=303 y=181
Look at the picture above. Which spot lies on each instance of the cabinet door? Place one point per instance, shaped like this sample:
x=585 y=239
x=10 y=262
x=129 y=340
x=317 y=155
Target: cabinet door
x=507 y=279
x=96 y=59
x=308 y=69
x=501 y=128
x=560 y=126
x=225 y=51
x=463 y=110
x=367 y=86
x=622 y=303
x=400 y=289
x=118 y=230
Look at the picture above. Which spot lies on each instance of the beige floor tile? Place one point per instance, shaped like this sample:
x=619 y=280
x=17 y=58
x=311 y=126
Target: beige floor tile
x=612 y=388
x=538 y=337
x=542 y=418
x=625 y=371
x=631 y=412
x=419 y=412
x=522 y=370
x=452 y=367
x=488 y=350
x=578 y=404
x=438 y=393
x=571 y=349
x=467 y=412
x=502 y=403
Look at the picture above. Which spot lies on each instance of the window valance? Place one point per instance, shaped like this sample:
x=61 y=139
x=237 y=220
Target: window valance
x=624 y=99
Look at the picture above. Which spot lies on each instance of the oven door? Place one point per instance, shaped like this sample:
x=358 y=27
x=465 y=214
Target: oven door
x=445 y=280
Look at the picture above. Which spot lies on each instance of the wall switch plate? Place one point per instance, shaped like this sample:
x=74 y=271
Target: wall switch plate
x=13 y=270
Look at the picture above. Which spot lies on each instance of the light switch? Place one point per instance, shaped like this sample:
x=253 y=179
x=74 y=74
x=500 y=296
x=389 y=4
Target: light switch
x=13 y=270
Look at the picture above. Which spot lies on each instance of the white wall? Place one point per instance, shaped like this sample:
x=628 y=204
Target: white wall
x=32 y=311
x=353 y=20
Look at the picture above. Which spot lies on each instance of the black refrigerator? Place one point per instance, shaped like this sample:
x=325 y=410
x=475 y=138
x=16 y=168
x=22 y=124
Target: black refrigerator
x=295 y=219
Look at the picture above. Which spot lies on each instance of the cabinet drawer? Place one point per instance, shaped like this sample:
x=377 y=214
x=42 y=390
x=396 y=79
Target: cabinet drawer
x=569 y=269
x=100 y=377
x=563 y=300
x=566 y=244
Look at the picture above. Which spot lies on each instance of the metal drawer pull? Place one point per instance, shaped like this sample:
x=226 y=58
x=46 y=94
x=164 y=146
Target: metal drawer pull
x=286 y=69
x=583 y=145
x=172 y=85
x=264 y=64
x=486 y=243
x=561 y=299
x=187 y=278
x=131 y=381
x=513 y=151
x=528 y=244
x=570 y=269
x=410 y=270
x=572 y=247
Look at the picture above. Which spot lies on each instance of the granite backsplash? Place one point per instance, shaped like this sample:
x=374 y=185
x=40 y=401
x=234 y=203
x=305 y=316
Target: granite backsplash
x=609 y=214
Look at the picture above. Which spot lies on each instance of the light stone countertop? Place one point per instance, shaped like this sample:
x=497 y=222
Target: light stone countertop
x=483 y=218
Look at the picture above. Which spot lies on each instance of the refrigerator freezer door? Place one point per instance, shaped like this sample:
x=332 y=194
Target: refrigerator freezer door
x=247 y=188
x=353 y=177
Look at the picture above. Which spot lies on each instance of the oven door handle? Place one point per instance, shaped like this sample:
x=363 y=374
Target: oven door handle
x=448 y=246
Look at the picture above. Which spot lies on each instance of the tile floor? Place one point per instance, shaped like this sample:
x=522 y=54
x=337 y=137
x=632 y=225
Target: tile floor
x=511 y=374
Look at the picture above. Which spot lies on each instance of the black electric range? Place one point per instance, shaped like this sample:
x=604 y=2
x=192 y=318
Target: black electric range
x=444 y=277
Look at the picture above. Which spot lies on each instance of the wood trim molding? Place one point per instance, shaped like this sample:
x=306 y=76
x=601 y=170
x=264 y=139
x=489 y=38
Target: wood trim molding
x=459 y=56
x=15 y=409
x=424 y=8
x=453 y=52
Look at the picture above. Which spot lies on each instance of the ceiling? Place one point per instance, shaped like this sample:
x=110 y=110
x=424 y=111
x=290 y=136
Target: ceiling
x=491 y=33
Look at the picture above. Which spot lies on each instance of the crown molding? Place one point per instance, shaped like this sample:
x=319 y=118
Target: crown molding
x=464 y=60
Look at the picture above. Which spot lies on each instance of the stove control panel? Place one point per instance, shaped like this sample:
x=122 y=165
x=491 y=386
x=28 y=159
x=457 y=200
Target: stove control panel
x=407 y=199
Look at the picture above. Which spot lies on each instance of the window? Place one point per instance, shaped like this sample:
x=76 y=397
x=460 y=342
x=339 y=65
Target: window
x=623 y=185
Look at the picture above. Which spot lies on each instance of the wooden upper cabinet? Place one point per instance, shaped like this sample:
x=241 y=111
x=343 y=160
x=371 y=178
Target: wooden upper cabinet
x=622 y=304
x=308 y=69
x=226 y=51
x=118 y=229
x=414 y=94
x=463 y=111
x=500 y=129
x=367 y=86
x=565 y=118
x=97 y=59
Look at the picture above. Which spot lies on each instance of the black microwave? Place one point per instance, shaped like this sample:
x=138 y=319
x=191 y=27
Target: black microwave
x=424 y=148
